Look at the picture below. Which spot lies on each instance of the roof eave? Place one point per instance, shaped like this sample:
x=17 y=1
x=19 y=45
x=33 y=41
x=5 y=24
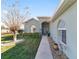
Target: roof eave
x=61 y=9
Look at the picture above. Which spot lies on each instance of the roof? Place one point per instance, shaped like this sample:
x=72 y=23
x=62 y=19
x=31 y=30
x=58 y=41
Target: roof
x=64 y=5
x=43 y=17
x=38 y=18
x=31 y=20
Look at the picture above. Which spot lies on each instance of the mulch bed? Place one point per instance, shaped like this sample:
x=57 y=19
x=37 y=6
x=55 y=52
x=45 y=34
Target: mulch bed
x=57 y=54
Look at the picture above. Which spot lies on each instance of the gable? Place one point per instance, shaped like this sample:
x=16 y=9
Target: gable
x=32 y=20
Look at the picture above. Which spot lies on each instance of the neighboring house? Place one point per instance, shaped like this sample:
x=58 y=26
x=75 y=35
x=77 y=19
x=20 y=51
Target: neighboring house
x=22 y=27
x=32 y=25
x=63 y=28
x=4 y=29
x=38 y=24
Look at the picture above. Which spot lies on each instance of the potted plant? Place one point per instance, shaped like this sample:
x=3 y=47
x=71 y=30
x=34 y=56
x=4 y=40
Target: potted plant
x=48 y=34
x=55 y=46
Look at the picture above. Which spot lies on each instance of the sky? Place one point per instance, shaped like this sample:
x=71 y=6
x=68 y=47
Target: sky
x=36 y=7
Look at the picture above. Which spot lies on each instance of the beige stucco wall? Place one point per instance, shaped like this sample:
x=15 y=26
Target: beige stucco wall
x=70 y=18
x=27 y=26
x=44 y=20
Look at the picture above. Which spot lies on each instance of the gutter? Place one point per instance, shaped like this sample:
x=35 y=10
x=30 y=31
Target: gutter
x=62 y=8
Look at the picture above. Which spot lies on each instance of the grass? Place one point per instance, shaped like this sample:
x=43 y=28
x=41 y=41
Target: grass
x=5 y=48
x=24 y=50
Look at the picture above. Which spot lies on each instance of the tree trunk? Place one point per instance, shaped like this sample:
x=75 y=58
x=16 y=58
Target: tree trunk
x=15 y=37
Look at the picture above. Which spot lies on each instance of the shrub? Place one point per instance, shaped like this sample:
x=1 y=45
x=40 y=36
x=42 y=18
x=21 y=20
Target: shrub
x=20 y=31
x=48 y=34
x=32 y=34
x=7 y=37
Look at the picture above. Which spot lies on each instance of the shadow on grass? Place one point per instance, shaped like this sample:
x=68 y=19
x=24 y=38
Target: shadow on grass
x=23 y=50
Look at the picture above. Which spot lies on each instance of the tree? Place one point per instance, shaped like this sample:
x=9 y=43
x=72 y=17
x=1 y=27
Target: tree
x=13 y=19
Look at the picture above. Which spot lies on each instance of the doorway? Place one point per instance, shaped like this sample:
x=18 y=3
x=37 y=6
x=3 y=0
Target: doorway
x=45 y=28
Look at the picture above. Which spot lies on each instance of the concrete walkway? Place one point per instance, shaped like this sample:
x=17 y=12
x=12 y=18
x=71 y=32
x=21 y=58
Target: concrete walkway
x=44 y=51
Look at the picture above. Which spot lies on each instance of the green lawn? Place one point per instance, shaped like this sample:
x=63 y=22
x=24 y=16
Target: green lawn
x=5 y=48
x=24 y=50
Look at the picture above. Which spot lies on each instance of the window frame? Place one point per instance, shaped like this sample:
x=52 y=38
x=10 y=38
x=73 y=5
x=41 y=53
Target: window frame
x=64 y=39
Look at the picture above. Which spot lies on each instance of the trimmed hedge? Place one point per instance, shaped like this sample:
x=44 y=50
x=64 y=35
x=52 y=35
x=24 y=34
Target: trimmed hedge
x=20 y=31
x=20 y=36
x=33 y=35
x=7 y=37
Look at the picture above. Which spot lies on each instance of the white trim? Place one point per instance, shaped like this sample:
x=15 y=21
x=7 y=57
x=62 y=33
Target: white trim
x=36 y=18
x=62 y=29
x=61 y=2
x=63 y=46
x=63 y=6
x=59 y=5
x=63 y=43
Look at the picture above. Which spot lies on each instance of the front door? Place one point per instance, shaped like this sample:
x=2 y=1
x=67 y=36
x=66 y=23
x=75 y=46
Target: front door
x=45 y=28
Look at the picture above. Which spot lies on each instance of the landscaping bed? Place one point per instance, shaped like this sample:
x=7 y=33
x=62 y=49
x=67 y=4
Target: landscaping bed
x=24 y=50
x=57 y=54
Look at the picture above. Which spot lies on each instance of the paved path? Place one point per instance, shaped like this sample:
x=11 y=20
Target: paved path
x=44 y=51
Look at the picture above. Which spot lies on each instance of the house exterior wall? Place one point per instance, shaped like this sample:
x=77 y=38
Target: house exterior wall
x=5 y=30
x=44 y=20
x=27 y=26
x=35 y=22
x=70 y=18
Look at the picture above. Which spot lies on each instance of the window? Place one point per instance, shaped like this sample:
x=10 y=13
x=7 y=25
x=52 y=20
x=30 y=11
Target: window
x=62 y=31
x=64 y=36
